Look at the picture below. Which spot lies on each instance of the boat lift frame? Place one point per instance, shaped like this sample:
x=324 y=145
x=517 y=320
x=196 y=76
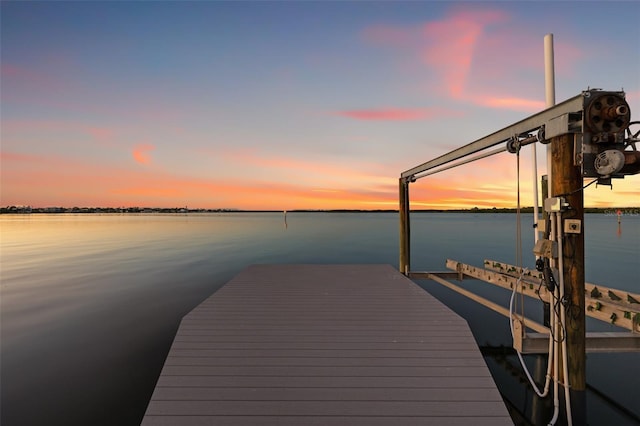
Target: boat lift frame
x=576 y=135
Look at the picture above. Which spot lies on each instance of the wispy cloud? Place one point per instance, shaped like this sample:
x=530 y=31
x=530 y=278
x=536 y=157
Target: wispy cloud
x=63 y=181
x=142 y=153
x=468 y=56
x=315 y=172
x=70 y=130
x=452 y=42
x=48 y=181
x=15 y=75
x=100 y=134
x=518 y=104
x=397 y=114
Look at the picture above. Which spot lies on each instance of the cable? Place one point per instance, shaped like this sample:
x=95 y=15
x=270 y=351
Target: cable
x=523 y=271
x=538 y=392
x=579 y=189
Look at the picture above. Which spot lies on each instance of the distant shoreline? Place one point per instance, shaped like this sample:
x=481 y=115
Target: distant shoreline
x=627 y=211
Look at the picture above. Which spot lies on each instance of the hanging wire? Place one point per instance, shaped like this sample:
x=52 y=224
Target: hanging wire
x=523 y=271
x=519 y=226
x=579 y=189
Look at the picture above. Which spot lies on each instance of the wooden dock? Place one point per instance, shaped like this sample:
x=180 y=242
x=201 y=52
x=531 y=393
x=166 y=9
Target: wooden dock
x=324 y=345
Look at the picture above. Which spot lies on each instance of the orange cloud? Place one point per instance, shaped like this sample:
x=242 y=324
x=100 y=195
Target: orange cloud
x=58 y=181
x=68 y=131
x=302 y=167
x=517 y=104
x=396 y=114
x=142 y=153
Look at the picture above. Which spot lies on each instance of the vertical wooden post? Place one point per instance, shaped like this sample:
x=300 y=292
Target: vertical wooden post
x=544 y=184
x=405 y=247
x=567 y=181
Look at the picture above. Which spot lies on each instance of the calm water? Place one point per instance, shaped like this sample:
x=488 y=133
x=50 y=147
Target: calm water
x=90 y=303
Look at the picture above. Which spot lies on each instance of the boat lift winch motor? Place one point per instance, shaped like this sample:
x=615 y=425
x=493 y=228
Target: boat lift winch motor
x=602 y=136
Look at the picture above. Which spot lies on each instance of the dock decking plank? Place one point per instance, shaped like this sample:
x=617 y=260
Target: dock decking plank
x=324 y=345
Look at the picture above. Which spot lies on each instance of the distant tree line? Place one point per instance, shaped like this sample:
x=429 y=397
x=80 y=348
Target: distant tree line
x=28 y=209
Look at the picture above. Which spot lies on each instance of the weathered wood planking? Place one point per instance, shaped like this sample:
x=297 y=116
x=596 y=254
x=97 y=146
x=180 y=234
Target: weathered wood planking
x=324 y=345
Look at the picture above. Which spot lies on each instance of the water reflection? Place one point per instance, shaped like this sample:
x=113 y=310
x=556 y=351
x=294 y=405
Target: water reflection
x=90 y=303
x=527 y=408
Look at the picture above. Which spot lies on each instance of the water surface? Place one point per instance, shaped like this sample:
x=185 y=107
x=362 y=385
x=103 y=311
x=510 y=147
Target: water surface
x=90 y=303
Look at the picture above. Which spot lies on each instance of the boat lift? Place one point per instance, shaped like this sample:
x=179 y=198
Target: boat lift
x=587 y=136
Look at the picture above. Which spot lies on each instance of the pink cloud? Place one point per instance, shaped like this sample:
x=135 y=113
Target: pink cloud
x=9 y=70
x=20 y=73
x=453 y=42
x=633 y=95
x=304 y=168
x=396 y=114
x=479 y=56
x=518 y=104
x=101 y=134
x=142 y=153
x=49 y=83
x=18 y=128
x=20 y=84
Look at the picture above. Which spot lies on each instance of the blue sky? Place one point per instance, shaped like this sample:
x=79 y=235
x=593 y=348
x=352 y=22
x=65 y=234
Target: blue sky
x=286 y=105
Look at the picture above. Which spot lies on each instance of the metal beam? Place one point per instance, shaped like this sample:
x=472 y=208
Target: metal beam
x=446 y=275
x=531 y=123
x=485 y=302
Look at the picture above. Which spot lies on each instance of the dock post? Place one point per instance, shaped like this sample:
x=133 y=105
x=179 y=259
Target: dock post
x=567 y=182
x=405 y=247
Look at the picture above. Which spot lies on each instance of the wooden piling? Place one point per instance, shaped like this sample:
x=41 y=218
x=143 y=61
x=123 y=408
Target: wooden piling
x=567 y=182
x=405 y=248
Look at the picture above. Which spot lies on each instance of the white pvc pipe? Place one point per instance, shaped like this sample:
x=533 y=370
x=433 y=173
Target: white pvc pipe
x=556 y=346
x=545 y=391
x=550 y=95
x=549 y=73
x=554 y=324
x=565 y=364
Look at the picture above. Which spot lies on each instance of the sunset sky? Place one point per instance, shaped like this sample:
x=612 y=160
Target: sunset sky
x=291 y=105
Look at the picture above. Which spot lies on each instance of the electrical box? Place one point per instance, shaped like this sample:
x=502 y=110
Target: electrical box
x=572 y=226
x=554 y=204
x=545 y=248
x=542 y=225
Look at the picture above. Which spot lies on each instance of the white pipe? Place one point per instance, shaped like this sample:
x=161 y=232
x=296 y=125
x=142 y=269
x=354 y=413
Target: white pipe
x=554 y=324
x=556 y=346
x=565 y=364
x=547 y=381
x=549 y=73
x=550 y=95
